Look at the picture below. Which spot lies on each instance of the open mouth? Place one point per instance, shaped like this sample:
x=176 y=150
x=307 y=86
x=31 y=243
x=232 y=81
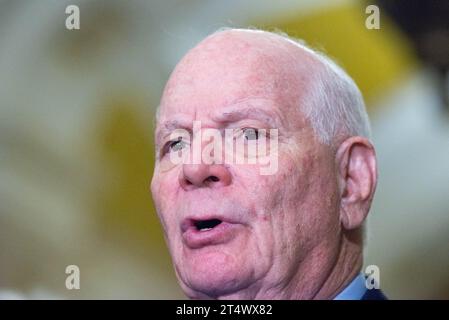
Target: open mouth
x=198 y=233
x=205 y=225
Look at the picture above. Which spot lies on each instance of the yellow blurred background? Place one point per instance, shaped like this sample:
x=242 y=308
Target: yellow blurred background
x=76 y=139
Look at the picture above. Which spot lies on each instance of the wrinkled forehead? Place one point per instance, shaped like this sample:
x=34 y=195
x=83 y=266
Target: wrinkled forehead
x=233 y=66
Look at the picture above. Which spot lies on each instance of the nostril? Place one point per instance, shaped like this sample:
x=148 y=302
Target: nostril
x=193 y=176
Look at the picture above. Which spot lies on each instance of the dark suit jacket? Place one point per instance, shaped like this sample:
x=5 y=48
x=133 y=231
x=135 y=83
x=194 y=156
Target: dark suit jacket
x=374 y=294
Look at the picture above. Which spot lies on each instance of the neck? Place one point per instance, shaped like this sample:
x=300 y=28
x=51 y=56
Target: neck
x=347 y=266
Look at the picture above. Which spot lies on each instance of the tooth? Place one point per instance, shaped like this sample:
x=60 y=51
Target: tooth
x=205 y=229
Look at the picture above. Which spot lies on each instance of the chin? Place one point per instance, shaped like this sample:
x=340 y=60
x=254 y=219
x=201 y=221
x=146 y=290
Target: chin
x=213 y=273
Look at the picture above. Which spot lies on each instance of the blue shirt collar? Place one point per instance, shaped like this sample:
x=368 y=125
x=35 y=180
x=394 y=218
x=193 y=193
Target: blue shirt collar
x=354 y=291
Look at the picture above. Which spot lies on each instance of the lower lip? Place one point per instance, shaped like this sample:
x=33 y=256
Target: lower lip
x=220 y=234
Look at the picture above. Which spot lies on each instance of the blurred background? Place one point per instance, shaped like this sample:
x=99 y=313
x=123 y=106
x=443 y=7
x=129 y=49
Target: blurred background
x=76 y=135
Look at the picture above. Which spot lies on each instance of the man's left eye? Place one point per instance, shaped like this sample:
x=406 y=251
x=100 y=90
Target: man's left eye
x=251 y=133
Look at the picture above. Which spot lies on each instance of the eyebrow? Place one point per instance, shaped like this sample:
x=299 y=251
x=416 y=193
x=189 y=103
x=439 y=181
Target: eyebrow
x=241 y=113
x=169 y=126
x=230 y=115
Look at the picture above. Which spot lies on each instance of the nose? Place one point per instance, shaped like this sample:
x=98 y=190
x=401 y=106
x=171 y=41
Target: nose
x=202 y=175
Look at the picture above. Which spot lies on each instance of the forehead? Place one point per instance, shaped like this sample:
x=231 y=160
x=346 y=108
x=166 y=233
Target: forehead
x=232 y=67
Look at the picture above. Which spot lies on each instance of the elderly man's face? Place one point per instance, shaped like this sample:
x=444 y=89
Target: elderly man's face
x=270 y=224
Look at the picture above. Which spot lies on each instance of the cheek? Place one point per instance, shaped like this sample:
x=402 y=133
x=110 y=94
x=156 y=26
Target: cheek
x=164 y=195
x=274 y=234
x=287 y=203
x=313 y=201
x=269 y=198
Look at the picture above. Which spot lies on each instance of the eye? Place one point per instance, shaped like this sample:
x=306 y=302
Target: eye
x=176 y=145
x=250 y=133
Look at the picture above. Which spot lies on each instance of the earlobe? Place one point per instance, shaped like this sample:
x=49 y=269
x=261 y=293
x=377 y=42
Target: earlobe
x=357 y=179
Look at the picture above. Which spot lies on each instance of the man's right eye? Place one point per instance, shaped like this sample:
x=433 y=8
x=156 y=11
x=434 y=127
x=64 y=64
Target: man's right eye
x=176 y=145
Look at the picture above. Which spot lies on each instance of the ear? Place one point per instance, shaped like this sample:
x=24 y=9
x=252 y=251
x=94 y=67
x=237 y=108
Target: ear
x=357 y=179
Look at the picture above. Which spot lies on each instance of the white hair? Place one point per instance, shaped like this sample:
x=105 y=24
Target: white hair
x=334 y=104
